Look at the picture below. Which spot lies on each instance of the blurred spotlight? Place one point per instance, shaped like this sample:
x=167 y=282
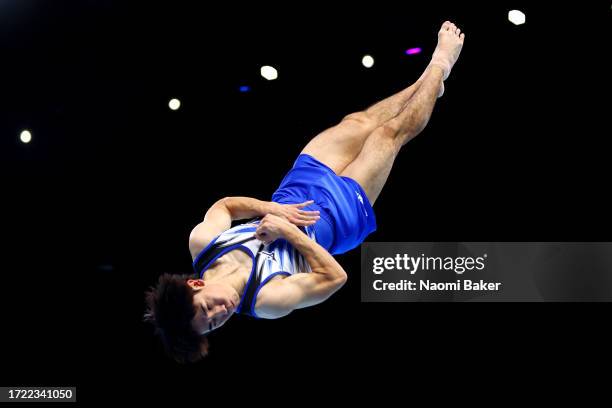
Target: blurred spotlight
x=245 y=88
x=412 y=51
x=174 y=104
x=516 y=17
x=367 y=61
x=269 y=72
x=25 y=136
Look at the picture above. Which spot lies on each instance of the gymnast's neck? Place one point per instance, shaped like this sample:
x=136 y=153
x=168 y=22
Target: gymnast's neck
x=231 y=273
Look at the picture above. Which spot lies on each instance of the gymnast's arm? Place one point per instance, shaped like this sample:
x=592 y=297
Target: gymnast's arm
x=279 y=297
x=219 y=218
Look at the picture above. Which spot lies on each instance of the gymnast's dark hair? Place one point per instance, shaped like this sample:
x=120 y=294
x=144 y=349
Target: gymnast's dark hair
x=170 y=309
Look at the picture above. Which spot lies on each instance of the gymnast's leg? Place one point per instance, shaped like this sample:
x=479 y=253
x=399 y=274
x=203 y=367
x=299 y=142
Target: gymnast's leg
x=340 y=145
x=373 y=164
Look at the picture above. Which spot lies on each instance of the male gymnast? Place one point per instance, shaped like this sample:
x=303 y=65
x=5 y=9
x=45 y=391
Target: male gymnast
x=282 y=259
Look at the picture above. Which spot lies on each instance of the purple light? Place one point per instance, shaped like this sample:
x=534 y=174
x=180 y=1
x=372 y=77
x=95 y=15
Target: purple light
x=412 y=51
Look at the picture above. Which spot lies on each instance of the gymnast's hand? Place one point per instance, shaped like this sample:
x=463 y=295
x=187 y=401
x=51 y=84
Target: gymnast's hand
x=272 y=227
x=294 y=213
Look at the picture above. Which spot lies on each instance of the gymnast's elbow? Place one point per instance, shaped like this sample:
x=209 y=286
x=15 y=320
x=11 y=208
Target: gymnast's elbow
x=342 y=278
x=336 y=277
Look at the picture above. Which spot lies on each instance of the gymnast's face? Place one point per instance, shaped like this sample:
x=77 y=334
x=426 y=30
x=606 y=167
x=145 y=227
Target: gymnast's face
x=214 y=302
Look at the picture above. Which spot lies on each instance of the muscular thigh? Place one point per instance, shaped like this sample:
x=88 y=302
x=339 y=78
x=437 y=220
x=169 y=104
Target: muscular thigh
x=339 y=145
x=372 y=166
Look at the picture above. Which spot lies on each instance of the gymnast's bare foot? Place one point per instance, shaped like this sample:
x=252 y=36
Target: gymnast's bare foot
x=450 y=42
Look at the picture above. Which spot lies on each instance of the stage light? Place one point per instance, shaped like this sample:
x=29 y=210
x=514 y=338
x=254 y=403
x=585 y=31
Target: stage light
x=516 y=17
x=245 y=88
x=25 y=136
x=367 y=61
x=174 y=104
x=412 y=51
x=268 y=72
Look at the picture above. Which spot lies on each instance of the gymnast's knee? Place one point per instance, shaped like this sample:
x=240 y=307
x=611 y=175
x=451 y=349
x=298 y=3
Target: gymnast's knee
x=363 y=120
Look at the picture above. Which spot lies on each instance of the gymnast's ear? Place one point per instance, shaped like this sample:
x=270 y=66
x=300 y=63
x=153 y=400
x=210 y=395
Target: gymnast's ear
x=196 y=284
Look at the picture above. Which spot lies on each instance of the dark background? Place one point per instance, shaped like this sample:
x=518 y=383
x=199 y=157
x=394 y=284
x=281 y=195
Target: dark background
x=103 y=199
